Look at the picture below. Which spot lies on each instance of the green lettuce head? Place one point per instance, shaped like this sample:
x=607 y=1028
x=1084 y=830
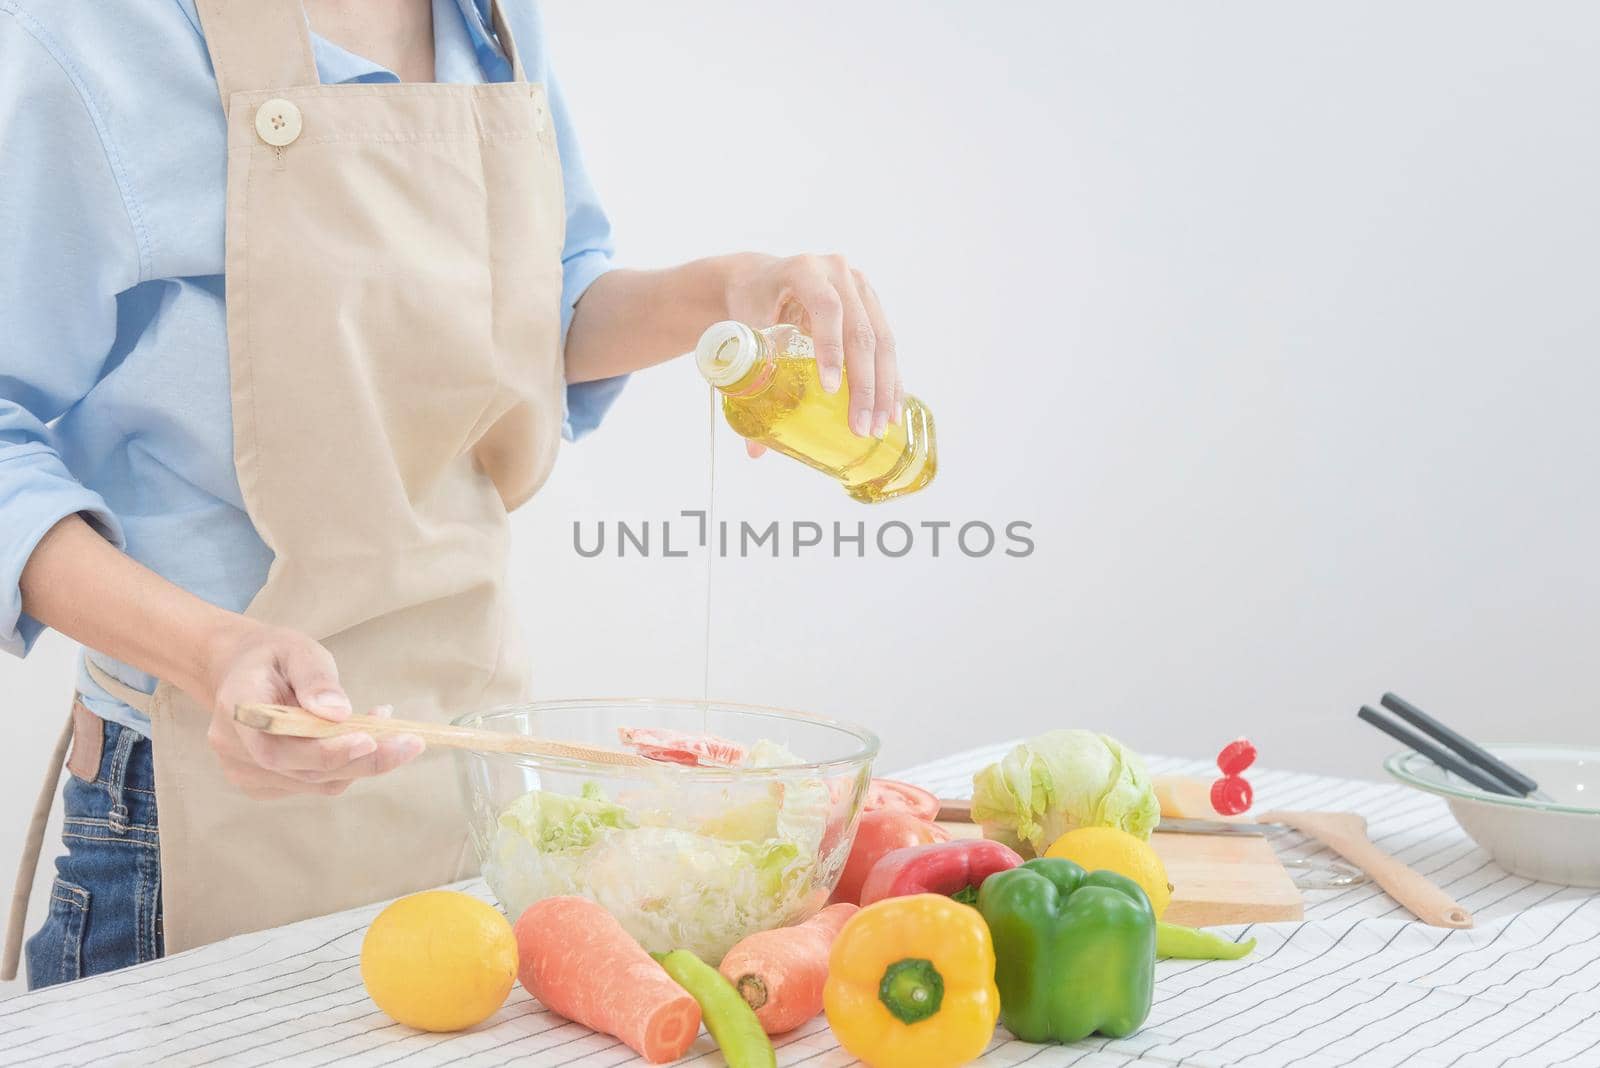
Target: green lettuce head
x=1061 y=780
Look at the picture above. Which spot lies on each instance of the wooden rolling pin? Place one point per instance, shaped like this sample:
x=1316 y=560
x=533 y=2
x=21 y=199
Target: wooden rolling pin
x=1346 y=834
x=298 y=723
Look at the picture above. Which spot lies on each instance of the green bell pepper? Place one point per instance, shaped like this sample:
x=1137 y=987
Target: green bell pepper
x=1075 y=953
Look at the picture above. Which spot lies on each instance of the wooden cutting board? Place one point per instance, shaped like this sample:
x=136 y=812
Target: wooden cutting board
x=1220 y=880
x=1216 y=879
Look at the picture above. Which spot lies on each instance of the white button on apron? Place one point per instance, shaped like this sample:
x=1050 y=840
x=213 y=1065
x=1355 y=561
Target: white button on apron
x=278 y=122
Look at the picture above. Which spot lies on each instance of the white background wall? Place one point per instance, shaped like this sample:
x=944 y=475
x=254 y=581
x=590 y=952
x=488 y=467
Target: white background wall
x=1277 y=322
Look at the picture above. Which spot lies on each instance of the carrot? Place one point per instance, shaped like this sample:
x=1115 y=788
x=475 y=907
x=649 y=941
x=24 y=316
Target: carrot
x=780 y=973
x=579 y=962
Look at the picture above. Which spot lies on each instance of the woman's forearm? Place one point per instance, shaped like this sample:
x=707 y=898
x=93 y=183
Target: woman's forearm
x=629 y=320
x=81 y=585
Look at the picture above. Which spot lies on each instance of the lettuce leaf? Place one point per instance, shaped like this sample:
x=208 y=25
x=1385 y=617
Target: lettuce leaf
x=556 y=823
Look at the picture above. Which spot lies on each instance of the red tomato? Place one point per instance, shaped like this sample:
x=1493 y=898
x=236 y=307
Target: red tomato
x=882 y=832
x=887 y=795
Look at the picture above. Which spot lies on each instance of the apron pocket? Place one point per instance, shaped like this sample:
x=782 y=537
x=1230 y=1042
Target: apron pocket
x=55 y=952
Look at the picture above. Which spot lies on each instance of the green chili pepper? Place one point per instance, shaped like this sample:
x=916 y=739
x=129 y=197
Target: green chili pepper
x=728 y=1017
x=1187 y=943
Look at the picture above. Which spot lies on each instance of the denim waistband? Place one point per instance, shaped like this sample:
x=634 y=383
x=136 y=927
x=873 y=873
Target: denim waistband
x=126 y=774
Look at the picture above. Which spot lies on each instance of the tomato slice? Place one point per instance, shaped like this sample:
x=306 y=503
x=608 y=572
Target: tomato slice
x=680 y=747
x=887 y=795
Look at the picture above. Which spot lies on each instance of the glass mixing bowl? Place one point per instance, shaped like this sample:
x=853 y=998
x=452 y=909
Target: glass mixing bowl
x=685 y=857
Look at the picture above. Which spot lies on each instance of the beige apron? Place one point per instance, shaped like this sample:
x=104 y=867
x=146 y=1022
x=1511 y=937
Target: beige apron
x=393 y=295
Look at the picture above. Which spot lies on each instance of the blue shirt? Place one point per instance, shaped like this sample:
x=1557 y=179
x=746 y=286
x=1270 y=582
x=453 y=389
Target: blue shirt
x=114 y=394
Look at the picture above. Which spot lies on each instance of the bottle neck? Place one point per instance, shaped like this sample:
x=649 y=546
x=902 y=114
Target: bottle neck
x=735 y=359
x=758 y=377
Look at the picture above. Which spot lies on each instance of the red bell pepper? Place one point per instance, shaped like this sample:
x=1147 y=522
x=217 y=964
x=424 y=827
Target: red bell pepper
x=954 y=869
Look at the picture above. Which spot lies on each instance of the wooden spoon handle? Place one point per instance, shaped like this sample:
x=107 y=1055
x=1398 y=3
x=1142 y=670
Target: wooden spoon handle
x=294 y=722
x=1410 y=888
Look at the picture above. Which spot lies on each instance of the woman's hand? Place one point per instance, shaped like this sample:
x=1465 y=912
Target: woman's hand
x=256 y=664
x=631 y=319
x=843 y=317
x=83 y=586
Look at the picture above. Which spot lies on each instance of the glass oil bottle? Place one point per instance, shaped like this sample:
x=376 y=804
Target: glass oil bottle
x=772 y=394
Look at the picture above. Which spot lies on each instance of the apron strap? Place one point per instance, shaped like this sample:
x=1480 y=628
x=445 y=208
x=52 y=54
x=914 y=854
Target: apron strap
x=502 y=30
x=28 y=864
x=266 y=44
x=137 y=700
x=33 y=842
x=257 y=44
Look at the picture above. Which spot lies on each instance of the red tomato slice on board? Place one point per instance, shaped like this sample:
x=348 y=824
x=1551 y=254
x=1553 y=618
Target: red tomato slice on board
x=887 y=795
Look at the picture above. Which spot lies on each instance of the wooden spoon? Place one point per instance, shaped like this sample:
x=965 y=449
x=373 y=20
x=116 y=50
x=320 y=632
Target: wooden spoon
x=298 y=723
x=1346 y=834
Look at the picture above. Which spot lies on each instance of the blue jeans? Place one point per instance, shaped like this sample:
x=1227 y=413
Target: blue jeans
x=105 y=904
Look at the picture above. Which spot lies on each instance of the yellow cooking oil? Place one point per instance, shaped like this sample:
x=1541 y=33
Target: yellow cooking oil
x=772 y=394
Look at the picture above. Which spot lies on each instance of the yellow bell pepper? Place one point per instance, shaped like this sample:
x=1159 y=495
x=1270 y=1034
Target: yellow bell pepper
x=911 y=984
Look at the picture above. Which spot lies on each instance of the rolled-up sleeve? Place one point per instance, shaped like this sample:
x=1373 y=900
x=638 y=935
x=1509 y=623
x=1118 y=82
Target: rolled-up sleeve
x=69 y=248
x=585 y=256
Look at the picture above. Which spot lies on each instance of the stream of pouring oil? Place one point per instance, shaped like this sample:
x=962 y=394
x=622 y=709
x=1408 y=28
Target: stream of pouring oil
x=711 y=551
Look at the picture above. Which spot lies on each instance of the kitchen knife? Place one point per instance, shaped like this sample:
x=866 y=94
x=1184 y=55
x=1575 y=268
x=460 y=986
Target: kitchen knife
x=954 y=811
x=1224 y=827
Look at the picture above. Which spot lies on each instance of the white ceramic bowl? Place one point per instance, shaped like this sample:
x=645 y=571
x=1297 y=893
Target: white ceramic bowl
x=1556 y=841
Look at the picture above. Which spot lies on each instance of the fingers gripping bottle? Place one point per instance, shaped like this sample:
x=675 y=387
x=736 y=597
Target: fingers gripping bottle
x=771 y=393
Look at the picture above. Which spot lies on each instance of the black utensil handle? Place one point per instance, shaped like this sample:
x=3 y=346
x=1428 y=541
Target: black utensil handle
x=1469 y=750
x=1445 y=759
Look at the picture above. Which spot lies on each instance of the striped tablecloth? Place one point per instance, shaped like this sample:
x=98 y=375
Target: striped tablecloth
x=1353 y=984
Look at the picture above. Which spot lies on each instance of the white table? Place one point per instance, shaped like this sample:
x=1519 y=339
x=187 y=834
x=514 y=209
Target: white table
x=1354 y=984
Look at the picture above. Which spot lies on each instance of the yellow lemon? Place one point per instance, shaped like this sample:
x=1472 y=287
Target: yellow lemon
x=439 y=961
x=1113 y=849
